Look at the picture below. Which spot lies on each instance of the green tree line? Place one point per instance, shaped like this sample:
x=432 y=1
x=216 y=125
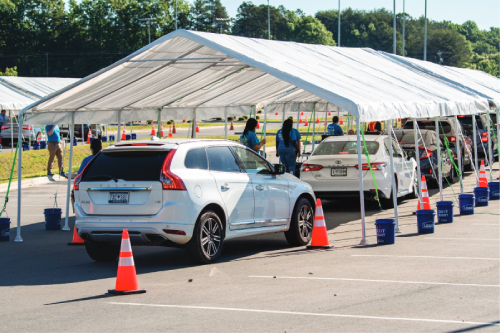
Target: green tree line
x=77 y=38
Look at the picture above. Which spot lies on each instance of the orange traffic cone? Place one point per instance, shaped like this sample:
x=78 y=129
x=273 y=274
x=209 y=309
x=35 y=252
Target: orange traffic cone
x=170 y=132
x=329 y=113
x=306 y=123
x=317 y=120
x=300 y=119
x=276 y=113
x=425 y=196
x=39 y=137
x=161 y=130
x=173 y=129
x=302 y=113
x=258 y=124
x=77 y=240
x=197 y=127
x=89 y=136
x=183 y=120
x=124 y=135
x=232 y=126
x=319 y=236
x=153 y=132
x=126 y=278
x=341 y=120
x=483 y=181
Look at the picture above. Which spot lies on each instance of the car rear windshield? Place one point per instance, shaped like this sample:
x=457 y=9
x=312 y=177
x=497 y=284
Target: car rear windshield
x=444 y=126
x=344 y=147
x=141 y=165
x=466 y=122
x=409 y=139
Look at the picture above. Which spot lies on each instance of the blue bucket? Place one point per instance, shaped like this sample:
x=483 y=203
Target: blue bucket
x=466 y=202
x=482 y=195
x=4 y=229
x=134 y=136
x=43 y=145
x=104 y=138
x=494 y=190
x=91 y=139
x=75 y=142
x=52 y=218
x=425 y=221
x=26 y=147
x=127 y=137
x=386 y=231
x=111 y=138
x=445 y=211
x=36 y=146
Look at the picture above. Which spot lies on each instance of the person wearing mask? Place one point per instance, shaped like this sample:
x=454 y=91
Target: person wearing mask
x=95 y=148
x=249 y=138
x=334 y=128
x=297 y=135
x=54 y=148
x=287 y=144
x=4 y=120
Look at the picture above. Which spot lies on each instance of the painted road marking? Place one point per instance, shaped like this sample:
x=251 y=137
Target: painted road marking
x=428 y=257
x=484 y=224
x=475 y=239
x=368 y=280
x=306 y=313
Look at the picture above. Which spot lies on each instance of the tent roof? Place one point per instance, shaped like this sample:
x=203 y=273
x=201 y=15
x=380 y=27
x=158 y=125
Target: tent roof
x=217 y=74
x=17 y=93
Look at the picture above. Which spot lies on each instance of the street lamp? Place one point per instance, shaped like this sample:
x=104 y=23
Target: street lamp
x=338 y=44
x=425 y=33
x=404 y=18
x=221 y=21
x=148 y=21
x=175 y=14
x=394 y=28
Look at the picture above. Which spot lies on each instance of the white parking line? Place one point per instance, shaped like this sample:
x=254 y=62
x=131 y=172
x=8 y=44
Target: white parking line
x=368 y=280
x=485 y=224
x=428 y=257
x=474 y=239
x=306 y=313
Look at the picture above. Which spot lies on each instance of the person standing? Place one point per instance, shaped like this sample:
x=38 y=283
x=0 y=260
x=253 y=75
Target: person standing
x=334 y=128
x=249 y=138
x=3 y=119
x=55 y=149
x=95 y=148
x=287 y=144
x=297 y=135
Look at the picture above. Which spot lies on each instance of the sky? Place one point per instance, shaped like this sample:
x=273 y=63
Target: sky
x=486 y=13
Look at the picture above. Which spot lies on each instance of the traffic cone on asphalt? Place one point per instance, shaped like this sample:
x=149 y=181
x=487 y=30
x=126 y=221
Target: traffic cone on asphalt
x=126 y=278
x=276 y=113
x=258 y=124
x=89 y=135
x=77 y=240
x=39 y=137
x=341 y=120
x=197 y=127
x=329 y=113
x=183 y=120
x=300 y=119
x=425 y=196
x=483 y=181
x=306 y=123
x=319 y=236
x=161 y=130
x=153 y=132
x=232 y=126
x=124 y=135
x=170 y=132
x=173 y=128
x=302 y=113
x=317 y=120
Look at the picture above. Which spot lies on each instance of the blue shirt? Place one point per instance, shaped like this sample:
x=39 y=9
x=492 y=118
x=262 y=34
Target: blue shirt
x=3 y=119
x=334 y=129
x=55 y=137
x=85 y=161
x=280 y=141
x=249 y=140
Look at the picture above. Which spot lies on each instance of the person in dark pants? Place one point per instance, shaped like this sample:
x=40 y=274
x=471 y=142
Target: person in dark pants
x=4 y=120
x=54 y=148
x=287 y=144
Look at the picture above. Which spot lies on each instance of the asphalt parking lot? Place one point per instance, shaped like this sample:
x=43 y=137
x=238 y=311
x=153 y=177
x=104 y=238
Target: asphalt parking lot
x=448 y=281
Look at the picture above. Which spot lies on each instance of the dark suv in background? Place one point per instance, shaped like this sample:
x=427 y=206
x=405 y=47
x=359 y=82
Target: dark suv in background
x=481 y=133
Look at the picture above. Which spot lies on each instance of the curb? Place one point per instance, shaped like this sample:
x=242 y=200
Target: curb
x=29 y=182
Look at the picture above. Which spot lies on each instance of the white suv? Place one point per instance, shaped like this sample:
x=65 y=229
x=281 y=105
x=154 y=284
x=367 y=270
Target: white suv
x=190 y=193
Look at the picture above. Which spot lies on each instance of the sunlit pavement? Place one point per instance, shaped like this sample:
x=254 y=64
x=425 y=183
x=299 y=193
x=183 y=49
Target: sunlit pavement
x=446 y=281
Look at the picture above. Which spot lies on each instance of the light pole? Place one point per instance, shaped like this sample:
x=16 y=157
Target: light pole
x=394 y=27
x=425 y=33
x=175 y=14
x=268 y=21
x=148 y=21
x=221 y=21
x=338 y=44
x=404 y=19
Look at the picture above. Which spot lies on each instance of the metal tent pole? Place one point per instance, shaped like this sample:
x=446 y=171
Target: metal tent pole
x=404 y=19
x=12 y=114
x=459 y=154
x=425 y=33
x=265 y=129
x=417 y=157
x=440 y=171
x=19 y=169
x=474 y=139
x=297 y=122
x=193 y=130
x=118 y=136
x=71 y=135
x=158 y=134
x=225 y=123
x=325 y=122
x=490 y=150
x=314 y=127
x=394 y=27
x=361 y=190
x=283 y=117
x=83 y=135
x=338 y=37
x=394 y=179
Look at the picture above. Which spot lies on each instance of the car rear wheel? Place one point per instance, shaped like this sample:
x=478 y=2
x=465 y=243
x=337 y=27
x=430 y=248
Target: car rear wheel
x=102 y=252
x=301 y=225
x=208 y=237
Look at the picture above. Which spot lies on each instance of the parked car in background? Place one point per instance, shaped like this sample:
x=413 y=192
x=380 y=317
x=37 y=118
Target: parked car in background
x=481 y=133
x=427 y=153
x=28 y=132
x=332 y=169
x=97 y=131
x=446 y=129
x=187 y=193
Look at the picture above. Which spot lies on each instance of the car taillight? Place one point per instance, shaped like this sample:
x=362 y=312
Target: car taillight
x=452 y=139
x=454 y=155
x=484 y=139
x=174 y=232
x=343 y=152
x=375 y=166
x=27 y=128
x=484 y=134
x=311 y=167
x=169 y=180
x=5 y=127
x=424 y=153
x=76 y=182
x=461 y=116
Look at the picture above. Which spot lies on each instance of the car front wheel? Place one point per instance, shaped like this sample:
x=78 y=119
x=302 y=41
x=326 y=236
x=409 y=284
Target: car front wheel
x=301 y=225
x=102 y=252
x=208 y=236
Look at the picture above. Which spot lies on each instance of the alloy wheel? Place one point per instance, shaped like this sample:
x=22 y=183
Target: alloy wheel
x=211 y=235
x=305 y=222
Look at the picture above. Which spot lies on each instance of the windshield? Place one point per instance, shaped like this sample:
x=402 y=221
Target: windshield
x=466 y=122
x=444 y=126
x=344 y=147
x=140 y=165
x=409 y=139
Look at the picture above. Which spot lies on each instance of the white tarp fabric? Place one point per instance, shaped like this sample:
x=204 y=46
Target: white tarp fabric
x=474 y=81
x=188 y=74
x=17 y=93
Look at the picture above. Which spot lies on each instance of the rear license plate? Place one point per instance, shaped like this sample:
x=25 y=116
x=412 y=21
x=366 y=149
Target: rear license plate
x=118 y=197
x=339 y=172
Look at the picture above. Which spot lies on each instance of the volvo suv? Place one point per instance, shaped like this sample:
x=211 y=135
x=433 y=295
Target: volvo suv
x=187 y=193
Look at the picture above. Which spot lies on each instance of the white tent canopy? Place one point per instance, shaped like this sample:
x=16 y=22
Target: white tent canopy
x=189 y=75
x=17 y=93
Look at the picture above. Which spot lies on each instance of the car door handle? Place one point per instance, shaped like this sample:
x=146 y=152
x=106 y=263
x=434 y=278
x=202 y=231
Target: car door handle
x=259 y=187
x=225 y=187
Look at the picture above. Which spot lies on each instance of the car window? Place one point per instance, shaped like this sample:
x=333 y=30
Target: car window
x=396 y=150
x=252 y=162
x=344 y=147
x=444 y=126
x=196 y=159
x=222 y=159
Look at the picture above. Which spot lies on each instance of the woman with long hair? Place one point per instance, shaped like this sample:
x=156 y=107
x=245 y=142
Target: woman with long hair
x=248 y=137
x=287 y=145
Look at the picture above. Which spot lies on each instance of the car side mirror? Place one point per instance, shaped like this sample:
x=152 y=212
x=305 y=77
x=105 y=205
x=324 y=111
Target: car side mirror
x=279 y=169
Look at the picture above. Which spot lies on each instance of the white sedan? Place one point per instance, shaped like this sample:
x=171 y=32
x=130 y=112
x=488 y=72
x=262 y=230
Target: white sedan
x=332 y=169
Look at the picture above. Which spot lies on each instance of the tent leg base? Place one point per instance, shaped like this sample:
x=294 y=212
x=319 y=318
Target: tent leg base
x=18 y=239
x=363 y=242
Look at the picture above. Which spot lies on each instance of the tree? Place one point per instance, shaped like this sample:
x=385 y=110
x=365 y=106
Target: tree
x=9 y=72
x=204 y=13
x=311 y=30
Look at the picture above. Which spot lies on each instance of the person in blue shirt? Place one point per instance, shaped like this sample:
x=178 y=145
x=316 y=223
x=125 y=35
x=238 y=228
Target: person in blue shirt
x=334 y=128
x=55 y=149
x=249 y=138
x=297 y=135
x=287 y=145
x=95 y=147
x=4 y=120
